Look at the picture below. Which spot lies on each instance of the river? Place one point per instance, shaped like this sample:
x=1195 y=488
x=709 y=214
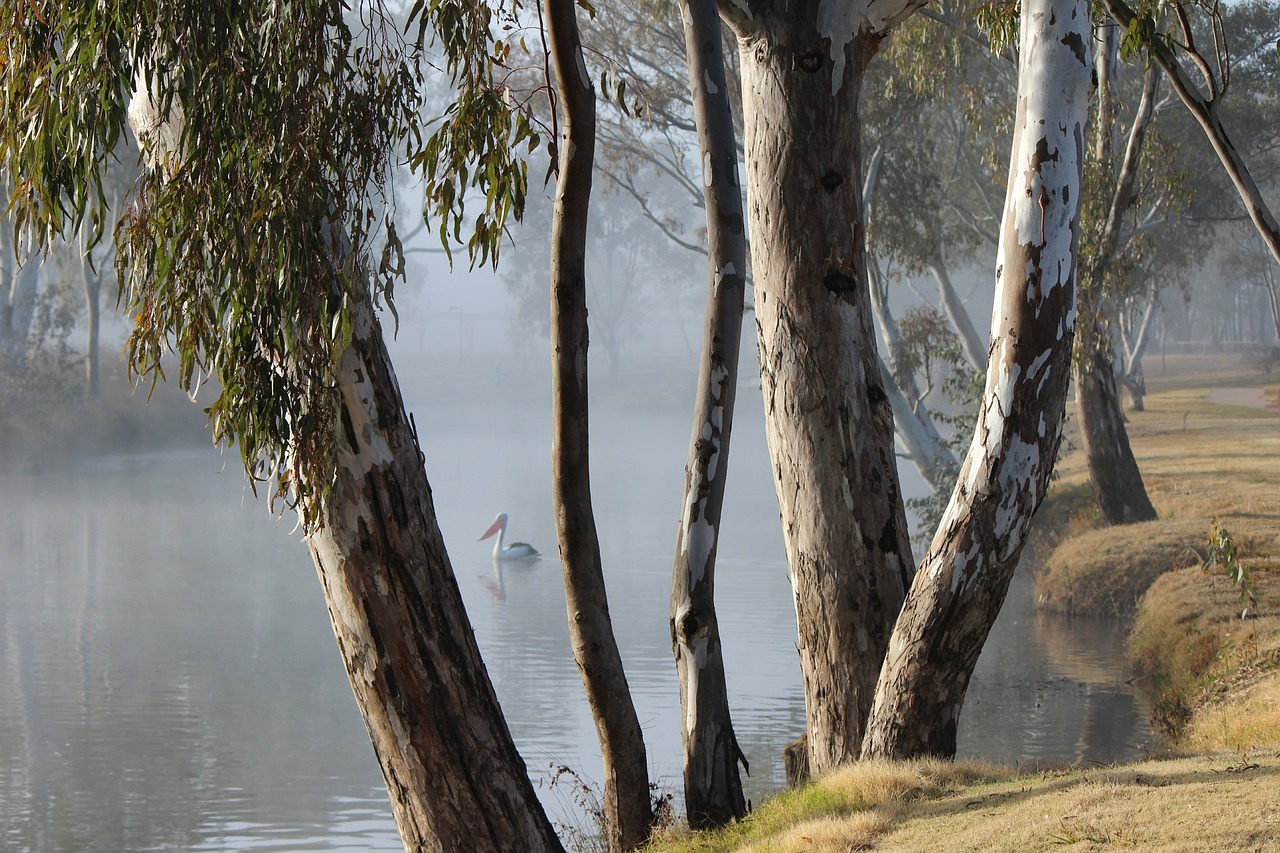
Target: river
x=169 y=680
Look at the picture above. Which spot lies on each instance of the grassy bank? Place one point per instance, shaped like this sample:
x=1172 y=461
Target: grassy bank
x=1214 y=677
x=1200 y=459
x=1220 y=801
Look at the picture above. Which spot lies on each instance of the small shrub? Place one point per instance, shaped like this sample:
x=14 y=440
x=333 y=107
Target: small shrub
x=1222 y=555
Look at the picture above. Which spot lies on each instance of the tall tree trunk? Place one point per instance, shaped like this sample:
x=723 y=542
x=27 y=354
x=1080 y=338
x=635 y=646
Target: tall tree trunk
x=971 y=343
x=627 y=809
x=455 y=779
x=712 y=786
x=7 y=266
x=1117 y=481
x=913 y=425
x=828 y=418
x=20 y=308
x=961 y=585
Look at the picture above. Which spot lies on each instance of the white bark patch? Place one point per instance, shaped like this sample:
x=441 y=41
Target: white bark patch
x=159 y=136
x=357 y=395
x=837 y=23
x=711 y=87
x=695 y=662
x=708 y=176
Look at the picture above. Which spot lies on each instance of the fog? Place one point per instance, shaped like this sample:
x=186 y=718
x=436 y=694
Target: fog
x=169 y=676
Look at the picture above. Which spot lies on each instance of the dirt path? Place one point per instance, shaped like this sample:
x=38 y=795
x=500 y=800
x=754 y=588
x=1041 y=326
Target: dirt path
x=1253 y=398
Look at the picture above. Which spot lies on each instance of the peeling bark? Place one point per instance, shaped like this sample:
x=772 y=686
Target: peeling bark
x=712 y=786
x=828 y=418
x=961 y=584
x=628 y=812
x=455 y=779
x=452 y=771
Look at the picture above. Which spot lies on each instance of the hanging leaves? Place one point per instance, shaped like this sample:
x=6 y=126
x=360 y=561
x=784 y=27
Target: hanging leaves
x=264 y=218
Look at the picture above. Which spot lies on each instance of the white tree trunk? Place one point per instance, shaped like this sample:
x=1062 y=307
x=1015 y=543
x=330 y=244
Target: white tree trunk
x=961 y=584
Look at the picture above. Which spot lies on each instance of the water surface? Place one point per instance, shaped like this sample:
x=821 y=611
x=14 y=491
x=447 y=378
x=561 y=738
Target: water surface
x=169 y=680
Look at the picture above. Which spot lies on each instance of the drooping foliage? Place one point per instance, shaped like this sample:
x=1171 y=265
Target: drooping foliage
x=265 y=216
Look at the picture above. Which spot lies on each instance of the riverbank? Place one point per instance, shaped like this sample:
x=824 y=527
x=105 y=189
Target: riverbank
x=1221 y=801
x=1214 y=678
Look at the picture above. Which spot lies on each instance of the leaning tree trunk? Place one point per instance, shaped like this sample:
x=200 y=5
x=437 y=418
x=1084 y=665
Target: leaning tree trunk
x=828 y=418
x=455 y=779
x=1204 y=109
x=628 y=812
x=962 y=582
x=1118 y=488
x=1117 y=481
x=712 y=786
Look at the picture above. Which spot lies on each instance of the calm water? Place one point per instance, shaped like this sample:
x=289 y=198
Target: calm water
x=169 y=681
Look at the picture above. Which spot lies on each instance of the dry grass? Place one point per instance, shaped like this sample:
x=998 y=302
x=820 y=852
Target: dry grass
x=1154 y=805
x=1199 y=460
x=845 y=810
x=1144 y=806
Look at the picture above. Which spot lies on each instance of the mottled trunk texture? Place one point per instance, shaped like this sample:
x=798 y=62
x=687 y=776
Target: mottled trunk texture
x=455 y=779
x=712 y=785
x=828 y=417
x=961 y=585
x=628 y=813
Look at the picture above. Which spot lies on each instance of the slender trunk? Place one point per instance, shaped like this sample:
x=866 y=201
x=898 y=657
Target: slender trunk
x=828 y=419
x=8 y=263
x=627 y=810
x=971 y=343
x=1117 y=481
x=20 y=309
x=962 y=582
x=455 y=779
x=913 y=426
x=93 y=314
x=712 y=786
x=1205 y=111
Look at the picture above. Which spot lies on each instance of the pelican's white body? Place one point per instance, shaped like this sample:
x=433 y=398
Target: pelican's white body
x=514 y=551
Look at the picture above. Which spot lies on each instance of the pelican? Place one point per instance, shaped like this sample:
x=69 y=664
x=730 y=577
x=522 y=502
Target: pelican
x=514 y=551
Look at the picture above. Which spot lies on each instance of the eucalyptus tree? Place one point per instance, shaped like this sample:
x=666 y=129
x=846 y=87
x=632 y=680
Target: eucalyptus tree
x=962 y=581
x=713 y=788
x=249 y=247
x=1201 y=35
x=628 y=815
x=828 y=419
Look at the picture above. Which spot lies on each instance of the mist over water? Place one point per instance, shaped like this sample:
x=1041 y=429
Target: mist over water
x=170 y=680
